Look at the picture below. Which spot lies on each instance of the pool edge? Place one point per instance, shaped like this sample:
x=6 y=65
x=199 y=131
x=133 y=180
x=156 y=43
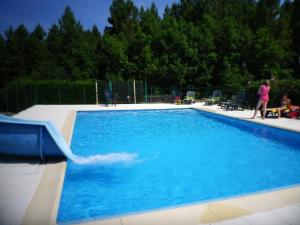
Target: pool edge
x=255 y=121
x=44 y=205
x=207 y=212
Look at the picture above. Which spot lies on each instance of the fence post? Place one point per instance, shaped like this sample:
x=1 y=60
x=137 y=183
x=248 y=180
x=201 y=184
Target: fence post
x=7 y=108
x=35 y=94
x=128 y=89
x=110 y=86
x=58 y=94
x=25 y=95
x=31 y=95
x=17 y=99
x=96 y=86
x=134 y=91
x=84 y=95
x=146 y=92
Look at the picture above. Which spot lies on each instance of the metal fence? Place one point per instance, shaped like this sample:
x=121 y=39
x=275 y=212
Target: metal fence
x=19 y=96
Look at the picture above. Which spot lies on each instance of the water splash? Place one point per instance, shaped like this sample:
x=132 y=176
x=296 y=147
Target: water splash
x=105 y=159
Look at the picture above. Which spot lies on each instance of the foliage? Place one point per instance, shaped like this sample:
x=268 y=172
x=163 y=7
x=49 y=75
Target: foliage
x=203 y=43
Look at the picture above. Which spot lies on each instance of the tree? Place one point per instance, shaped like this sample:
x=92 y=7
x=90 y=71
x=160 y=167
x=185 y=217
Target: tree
x=203 y=43
x=149 y=20
x=54 y=43
x=75 y=55
x=295 y=24
x=93 y=39
x=114 y=58
x=123 y=18
x=268 y=55
x=37 y=53
x=268 y=11
x=15 y=59
x=3 y=73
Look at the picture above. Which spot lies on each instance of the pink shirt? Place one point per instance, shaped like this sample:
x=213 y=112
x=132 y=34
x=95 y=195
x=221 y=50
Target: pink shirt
x=264 y=93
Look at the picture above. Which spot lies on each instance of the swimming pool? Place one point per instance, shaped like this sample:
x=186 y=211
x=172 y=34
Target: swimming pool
x=184 y=156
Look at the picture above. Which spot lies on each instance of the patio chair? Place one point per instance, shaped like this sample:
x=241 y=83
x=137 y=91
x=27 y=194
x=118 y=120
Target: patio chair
x=270 y=112
x=189 y=98
x=176 y=96
x=238 y=102
x=288 y=111
x=224 y=104
x=214 y=99
x=108 y=97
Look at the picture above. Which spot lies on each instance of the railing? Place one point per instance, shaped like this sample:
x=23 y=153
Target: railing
x=160 y=99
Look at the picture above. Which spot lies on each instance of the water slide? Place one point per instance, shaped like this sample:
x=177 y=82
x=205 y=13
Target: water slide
x=42 y=139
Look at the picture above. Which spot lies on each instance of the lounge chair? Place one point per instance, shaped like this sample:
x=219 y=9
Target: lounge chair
x=108 y=97
x=274 y=112
x=238 y=102
x=214 y=99
x=176 y=96
x=224 y=104
x=189 y=98
x=270 y=112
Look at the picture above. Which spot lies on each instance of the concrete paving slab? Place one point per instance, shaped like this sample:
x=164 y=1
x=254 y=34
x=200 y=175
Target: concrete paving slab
x=28 y=169
x=238 y=221
x=291 y=214
x=20 y=178
x=13 y=209
x=11 y=191
x=115 y=221
x=191 y=215
x=264 y=219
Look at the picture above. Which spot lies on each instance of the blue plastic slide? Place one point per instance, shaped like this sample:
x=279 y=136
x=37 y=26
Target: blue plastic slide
x=41 y=139
x=31 y=138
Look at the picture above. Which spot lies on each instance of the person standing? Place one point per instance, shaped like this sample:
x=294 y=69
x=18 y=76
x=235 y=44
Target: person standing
x=263 y=92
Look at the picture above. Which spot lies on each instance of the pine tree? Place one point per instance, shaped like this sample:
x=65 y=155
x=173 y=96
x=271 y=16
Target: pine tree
x=196 y=42
x=123 y=18
x=16 y=50
x=295 y=24
x=37 y=52
x=3 y=73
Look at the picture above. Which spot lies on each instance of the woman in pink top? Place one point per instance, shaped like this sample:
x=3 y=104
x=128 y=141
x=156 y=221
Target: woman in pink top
x=263 y=92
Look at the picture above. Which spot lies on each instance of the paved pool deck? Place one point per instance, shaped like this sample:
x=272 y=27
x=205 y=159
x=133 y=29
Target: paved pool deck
x=30 y=192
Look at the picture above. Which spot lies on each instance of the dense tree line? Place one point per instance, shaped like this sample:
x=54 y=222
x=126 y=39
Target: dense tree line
x=196 y=42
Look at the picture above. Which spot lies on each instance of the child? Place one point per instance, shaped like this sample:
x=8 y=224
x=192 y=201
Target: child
x=263 y=98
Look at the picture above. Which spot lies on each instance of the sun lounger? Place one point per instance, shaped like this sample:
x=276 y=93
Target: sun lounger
x=108 y=97
x=189 y=98
x=176 y=97
x=214 y=99
x=224 y=104
x=271 y=112
x=274 y=112
x=238 y=102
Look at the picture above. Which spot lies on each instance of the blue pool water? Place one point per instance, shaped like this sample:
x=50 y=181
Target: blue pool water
x=184 y=156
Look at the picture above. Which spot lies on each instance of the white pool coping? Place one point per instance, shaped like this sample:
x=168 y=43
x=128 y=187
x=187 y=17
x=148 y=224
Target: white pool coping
x=58 y=114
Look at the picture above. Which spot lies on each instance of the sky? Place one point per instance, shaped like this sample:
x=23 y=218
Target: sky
x=47 y=12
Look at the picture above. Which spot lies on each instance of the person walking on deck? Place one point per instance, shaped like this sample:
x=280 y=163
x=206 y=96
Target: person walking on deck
x=263 y=92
